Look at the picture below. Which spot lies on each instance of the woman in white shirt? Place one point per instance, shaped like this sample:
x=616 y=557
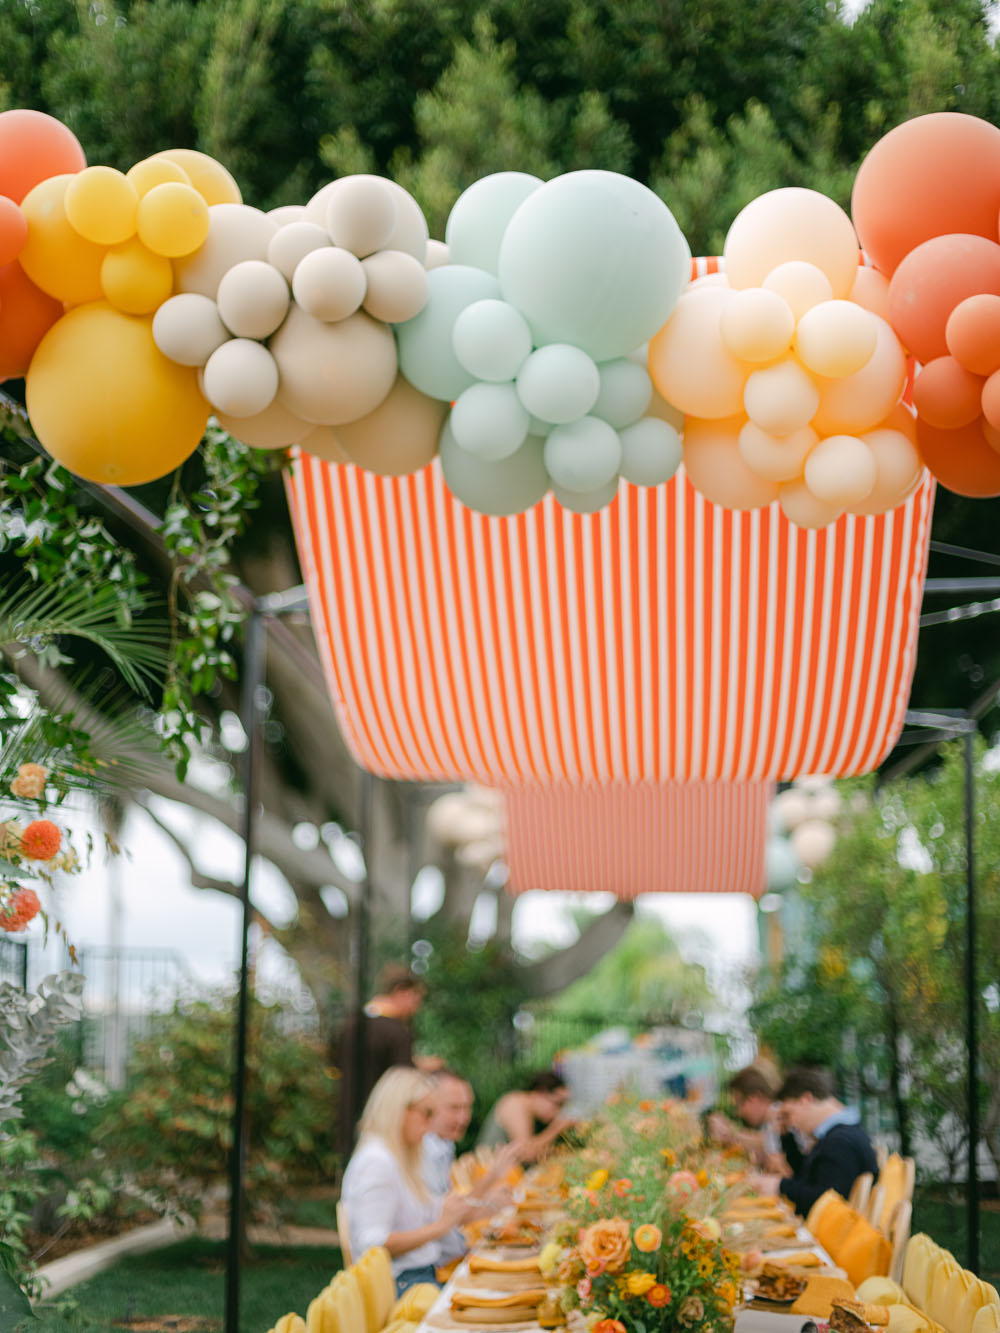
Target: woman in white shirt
x=383 y=1192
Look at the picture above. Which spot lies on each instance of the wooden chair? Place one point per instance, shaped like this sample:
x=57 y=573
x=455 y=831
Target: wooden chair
x=860 y=1193
x=344 y=1235
x=899 y=1235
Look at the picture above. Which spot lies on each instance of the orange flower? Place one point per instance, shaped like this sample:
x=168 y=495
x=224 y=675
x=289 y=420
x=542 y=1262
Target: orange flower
x=669 y=1156
x=622 y=1187
x=609 y=1326
x=659 y=1295
x=30 y=781
x=606 y=1242
x=702 y=1177
x=22 y=907
x=645 y=1106
x=648 y=1238
x=41 y=840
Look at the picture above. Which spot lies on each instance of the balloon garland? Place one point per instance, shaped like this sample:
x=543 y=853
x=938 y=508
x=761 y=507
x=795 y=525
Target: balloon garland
x=554 y=342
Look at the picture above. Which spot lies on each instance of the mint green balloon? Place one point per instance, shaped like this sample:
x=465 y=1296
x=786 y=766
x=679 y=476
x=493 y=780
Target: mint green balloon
x=489 y=421
x=586 y=502
x=594 y=259
x=558 y=383
x=584 y=455
x=506 y=486
x=426 y=356
x=491 y=340
x=651 y=452
x=625 y=392
x=477 y=222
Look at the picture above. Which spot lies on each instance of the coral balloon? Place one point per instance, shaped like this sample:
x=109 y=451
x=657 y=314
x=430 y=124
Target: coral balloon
x=757 y=325
x=841 y=471
x=931 y=176
x=932 y=280
x=333 y=373
x=790 y=224
x=800 y=285
x=107 y=404
x=134 y=279
x=860 y=401
x=946 y=394
x=776 y=457
x=26 y=315
x=210 y=178
x=172 y=220
x=973 y=333
x=898 y=467
x=33 y=147
x=962 y=460
x=836 y=338
x=56 y=257
x=13 y=230
x=399 y=437
x=235 y=232
x=101 y=204
x=690 y=364
x=804 y=509
x=990 y=400
x=781 y=398
x=715 y=468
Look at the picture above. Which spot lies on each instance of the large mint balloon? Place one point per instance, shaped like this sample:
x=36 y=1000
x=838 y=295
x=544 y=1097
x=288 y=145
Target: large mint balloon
x=583 y=456
x=426 y=356
x=781 y=865
x=477 y=222
x=491 y=340
x=651 y=452
x=558 y=383
x=595 y=259
x=489 y=421
x=508 y=486
x=586 y=502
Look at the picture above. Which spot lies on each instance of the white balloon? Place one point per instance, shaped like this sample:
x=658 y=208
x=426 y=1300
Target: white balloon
x=437 y=255
x=241 y=378
x=187 y=329
x=329 y=284
x=253 y=299
x=791 y=808
x=235 y=232
x=813 y=841
x=292 y=243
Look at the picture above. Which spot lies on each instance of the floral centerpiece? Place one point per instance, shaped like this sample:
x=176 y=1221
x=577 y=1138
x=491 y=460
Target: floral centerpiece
x=641 y=1248
x=31 y=849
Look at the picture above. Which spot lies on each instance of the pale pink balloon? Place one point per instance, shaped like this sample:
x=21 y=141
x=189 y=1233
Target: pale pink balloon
x=715 y=467
x=757 y=325
x=898 y=466
x=859 y=402
x=802 y=508
x=802 y=285
x=781 y=398
x=776 y=457
x=690 y=364
x=792 y=223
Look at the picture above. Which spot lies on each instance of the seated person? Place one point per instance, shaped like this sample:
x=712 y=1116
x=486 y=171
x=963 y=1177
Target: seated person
x=531 y=1119
x=841 y=1149
x=384 y=1194
x=753 y=1093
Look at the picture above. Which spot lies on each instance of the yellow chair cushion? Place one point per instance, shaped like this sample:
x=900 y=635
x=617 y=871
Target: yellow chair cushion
x=864 y=1252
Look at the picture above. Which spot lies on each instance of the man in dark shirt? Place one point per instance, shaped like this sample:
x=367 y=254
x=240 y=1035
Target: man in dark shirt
x=841 y=1149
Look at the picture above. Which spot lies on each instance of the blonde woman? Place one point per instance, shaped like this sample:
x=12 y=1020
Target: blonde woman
x=384 y=1194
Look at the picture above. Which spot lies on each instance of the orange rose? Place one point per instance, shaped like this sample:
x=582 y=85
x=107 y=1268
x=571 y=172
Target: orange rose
x=622 y=1187
x=645 y=1106
x=606 y=1242
x=648 y=1238
x=609 y=1326
x=659 y=1295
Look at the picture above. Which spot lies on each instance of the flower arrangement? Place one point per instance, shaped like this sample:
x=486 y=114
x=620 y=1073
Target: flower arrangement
x=641 y=1249
x=32 y=849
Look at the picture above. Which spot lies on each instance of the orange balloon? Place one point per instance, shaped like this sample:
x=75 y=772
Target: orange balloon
x=946 y=394
x=962 y=460
x=26 y=315
x=991 y=400
x=928 y=177
x=973 y=333
x=13 y=230
x=33 y=147
x=931 y=281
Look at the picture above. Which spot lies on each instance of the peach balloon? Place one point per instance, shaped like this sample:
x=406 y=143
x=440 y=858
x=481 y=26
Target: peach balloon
x=947 y=395
x=792 y=223
x=871 y=290
x=898 y=468
x=333 y=373
x=55 y=256
x=776 y=457
x=962 y=460
x=716 y=468
x=399 y=437
x=902 y=419
x=973 y=333
x=800 y=284
x=781 y=398
x=931 y=281
x=841 y=470
x=836 y=338
x=757 y=325
x=931 y=176
x=690 y=364
x=804 y=509
x=861 y=401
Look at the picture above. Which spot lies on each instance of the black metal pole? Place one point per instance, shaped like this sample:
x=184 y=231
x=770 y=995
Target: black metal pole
x=253 y=678
x=362 y=949
x=972 y=1016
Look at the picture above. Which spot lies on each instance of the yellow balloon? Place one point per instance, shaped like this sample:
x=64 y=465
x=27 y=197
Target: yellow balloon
x=56 y=257
x=107 y=404
x=134 y=279
x=101 y=204
x=156 y=171
x=210 y=178
x=173 y=219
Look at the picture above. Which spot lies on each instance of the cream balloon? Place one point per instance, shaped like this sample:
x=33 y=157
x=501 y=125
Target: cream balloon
x=690 y=364
x=781 y=398
x=410 y=231
x=757 y=325
x=802 y=508
x=898 y=468
x=799 y=284
x=791 y=808
x=813 y=842
x=322 y=442
x=287 y=214
x=236 y=232
x=329 y=284
x=274 y=428
x=437 y=255
x=361 y=214
x=396 y=286
x=836 y=338
x=241 y=378
x=292 y=242
x=715 y=468
x=253 y=299
x=788 y=224
x=859 y=402
x=776 y=457
x=187 y=329
x=399 y=437
x=333 y=373
x=841 y=471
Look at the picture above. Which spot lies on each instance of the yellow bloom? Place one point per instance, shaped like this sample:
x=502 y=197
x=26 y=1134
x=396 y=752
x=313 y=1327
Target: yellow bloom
x=597 y=1179
x=669 y=1156
x=705 y=1267
x=548 y=1260
x=639 y=1283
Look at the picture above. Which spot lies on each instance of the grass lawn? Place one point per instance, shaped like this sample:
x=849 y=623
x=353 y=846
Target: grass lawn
x=189 y=1279
x=945 y=1223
